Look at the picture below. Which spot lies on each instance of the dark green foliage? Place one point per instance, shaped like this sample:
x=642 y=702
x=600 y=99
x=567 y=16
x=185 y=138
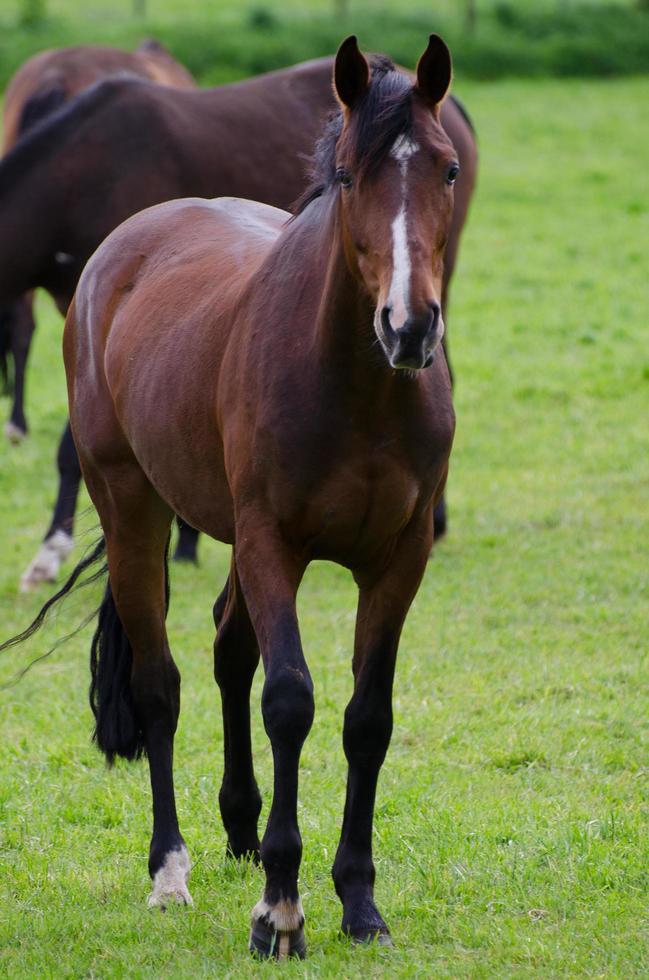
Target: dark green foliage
x=508 y=40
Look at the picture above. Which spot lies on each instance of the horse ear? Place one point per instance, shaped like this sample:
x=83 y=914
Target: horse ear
x=351 y=72
x=434 y=71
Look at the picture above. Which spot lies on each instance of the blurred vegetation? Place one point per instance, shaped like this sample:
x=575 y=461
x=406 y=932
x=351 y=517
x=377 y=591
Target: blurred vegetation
x=220 y=41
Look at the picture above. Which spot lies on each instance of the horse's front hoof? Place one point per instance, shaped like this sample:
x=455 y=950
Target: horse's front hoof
x=243 y=854
x=365 y=937
x=186 y=556
x=14 y=433
x=170 y=880
x=266 y=942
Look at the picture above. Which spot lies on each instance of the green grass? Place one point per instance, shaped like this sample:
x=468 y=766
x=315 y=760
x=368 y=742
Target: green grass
x=512 y=826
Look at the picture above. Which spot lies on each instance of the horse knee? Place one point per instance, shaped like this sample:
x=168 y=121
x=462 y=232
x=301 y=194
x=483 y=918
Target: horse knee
x=288 y=705
x=367 y=731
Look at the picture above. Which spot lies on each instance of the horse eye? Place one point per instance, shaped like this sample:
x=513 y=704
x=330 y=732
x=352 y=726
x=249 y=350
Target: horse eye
x=344 y=178
x=452 y=172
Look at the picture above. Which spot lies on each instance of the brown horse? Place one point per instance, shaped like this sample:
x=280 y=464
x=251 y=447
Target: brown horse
x=126 y=145
x=281 y=385
x=40 y=87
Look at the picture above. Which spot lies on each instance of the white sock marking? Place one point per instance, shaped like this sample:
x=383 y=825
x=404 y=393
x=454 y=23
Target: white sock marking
x=170 y=881
x=49 y=558
x=284 y=917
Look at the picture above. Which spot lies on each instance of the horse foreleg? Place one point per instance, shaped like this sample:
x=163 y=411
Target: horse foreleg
x=22 y=329
x=270 y=576
x=58 y=541
x=236 y=655
x=382 y=608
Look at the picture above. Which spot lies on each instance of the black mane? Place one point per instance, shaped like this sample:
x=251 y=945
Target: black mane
x=46 y=135
x=383 y=114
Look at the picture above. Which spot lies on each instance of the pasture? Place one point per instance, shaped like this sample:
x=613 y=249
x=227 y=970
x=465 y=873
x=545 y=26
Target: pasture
x=511 y=831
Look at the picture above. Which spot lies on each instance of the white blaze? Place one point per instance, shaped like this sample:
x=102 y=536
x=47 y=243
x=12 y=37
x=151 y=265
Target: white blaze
x=399 y=292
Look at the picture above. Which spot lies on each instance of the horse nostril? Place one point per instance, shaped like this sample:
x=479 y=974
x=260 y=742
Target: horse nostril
x=436 y=311
x=385 y=322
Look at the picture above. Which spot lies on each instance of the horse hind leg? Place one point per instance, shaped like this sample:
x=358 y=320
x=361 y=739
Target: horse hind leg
x=236 y=655
x=20 y=324
x=135 y=691
x=58 y=541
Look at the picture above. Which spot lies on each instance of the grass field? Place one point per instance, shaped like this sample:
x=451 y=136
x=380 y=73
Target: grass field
x=512 y=826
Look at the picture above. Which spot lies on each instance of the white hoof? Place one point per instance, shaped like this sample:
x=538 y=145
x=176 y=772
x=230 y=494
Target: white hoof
x=45 y=566
x=170 y=881
x=14 y=434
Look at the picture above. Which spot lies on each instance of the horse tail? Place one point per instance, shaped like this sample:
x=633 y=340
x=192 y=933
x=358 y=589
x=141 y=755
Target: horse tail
x=40 y=105
x=117 y=729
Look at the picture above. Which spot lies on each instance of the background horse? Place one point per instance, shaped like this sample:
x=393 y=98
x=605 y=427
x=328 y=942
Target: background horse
x=311 y=418
x=42 y=85
x=128 y=144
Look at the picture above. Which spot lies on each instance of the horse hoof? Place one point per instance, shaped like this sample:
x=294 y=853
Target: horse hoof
x=243 y=854
x=45 y=566
x=187 y=558
x=170 y=881
x=266 y=942
x=366 y=938
x=14 y=433
x=161 y=900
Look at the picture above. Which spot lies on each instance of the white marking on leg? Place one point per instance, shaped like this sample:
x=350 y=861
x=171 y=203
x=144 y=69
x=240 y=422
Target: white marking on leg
x=13 y=433
x=285 y=916
x=49 y=558
x=170 y=881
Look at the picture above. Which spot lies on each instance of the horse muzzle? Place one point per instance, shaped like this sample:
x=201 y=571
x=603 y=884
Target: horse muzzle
x=412 y=346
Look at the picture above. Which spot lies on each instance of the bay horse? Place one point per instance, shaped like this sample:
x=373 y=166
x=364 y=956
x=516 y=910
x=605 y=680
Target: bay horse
x=280 y=383
x=42 y=85
x=127 y=144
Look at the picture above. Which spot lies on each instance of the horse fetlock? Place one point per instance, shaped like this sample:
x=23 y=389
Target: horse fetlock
x=170 y=880
x=240 y=811
x=49 y=558
x=15 y=433
x=277 y=929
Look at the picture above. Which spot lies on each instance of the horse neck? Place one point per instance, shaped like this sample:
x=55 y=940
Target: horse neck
x=344 y=338
x=24 y=230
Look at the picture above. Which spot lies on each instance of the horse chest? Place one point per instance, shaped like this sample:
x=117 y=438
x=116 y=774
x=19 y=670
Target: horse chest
x=346 y=508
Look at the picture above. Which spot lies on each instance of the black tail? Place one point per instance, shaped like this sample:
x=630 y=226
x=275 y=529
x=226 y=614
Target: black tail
x=87 y=562
x=117 y=730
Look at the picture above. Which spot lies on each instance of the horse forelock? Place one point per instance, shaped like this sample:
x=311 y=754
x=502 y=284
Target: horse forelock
x=381 y=117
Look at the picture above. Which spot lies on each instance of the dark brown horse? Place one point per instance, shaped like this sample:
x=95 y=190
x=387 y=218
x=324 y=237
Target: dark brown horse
x=41 y=86
x=281 y=385
x=128 y=144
